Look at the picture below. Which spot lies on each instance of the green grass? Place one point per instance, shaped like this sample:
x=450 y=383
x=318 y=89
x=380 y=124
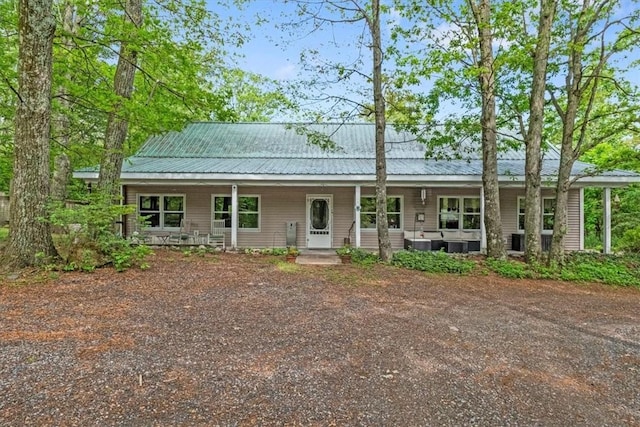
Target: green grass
x=4 y=233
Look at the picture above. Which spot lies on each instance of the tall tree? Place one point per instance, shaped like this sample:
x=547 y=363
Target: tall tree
x=595 y=104
x=62 y=123
x=340 y=95
x=118 y=122
x=382 y=222
x=455 y=51
x=533 y=134
x=492 y=216
x=30 y=241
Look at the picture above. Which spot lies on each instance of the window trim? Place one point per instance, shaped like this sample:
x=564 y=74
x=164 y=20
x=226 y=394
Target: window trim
x=259 y=212
x=161 y=210
x=389 y=196
x=460 y=212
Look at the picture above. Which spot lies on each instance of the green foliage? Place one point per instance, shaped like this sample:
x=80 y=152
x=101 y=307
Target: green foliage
x=361 y=257
x=274 y=251
x=583 y=267
x=510 y=269
x=432 y=262
x=4 y=233
x=86 y=236
x=630 y=240
x=625 y=204
x=619 y=270
x=344 y=250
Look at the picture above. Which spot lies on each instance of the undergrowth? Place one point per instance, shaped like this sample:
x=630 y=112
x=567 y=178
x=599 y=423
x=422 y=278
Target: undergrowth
x=617 y=270
x=433 y=262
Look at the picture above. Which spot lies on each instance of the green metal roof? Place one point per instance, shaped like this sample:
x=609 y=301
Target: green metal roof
x=258 y=150
x=287 y=141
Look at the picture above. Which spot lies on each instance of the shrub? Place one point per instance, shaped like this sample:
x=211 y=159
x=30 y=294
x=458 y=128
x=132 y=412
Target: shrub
x=87 y=239
x=432 y=262
x=362 y=257
x=510 y=269
x=619 y=270
x=630 y=240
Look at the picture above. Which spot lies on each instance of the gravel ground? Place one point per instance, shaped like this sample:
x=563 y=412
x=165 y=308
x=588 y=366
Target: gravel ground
x=238 y=340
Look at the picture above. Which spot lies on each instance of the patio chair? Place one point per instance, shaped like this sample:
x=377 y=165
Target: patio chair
x=217 y=237
x=183 y=236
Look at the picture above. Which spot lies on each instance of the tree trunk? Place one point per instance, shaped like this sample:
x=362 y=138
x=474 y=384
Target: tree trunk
x=30 y=241
x=382 y=223
x=533 y=140
x=117 y=122
x=492 y=219
x=567 y=159
x=62 y=164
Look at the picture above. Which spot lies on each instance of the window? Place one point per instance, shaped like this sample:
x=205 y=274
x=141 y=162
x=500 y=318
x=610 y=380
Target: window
x=368 y=212
x=521 y=213
x=471 y=213
x=456 y=213
x=161 y=211
x=548 y=213
x=248 y=211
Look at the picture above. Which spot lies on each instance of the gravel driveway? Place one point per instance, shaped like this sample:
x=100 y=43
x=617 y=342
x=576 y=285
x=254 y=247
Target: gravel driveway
x=237 y=340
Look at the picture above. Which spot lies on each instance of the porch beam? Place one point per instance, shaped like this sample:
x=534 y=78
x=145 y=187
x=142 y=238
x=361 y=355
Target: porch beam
x=356 y=215
x=234 y=216
x=606 y=238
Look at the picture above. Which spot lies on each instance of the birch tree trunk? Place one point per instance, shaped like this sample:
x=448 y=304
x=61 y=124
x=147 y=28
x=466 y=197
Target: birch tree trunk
x=382 y=223
x=533 y=141
x=118 y=122
x=30 y=241
x=492 y=219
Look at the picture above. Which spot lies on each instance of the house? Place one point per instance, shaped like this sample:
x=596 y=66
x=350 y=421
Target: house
x=273 y=188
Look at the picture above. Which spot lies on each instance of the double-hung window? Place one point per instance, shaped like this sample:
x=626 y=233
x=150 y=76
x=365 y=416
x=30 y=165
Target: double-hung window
x=368 y=212
x=161 y=210
x=459 y=213
x=548 y=213
x=248 y=211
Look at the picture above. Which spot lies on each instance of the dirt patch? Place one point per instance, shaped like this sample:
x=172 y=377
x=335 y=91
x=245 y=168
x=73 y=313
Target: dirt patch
x=233 y=339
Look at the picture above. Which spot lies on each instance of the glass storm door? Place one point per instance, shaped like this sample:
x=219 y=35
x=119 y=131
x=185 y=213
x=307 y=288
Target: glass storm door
x=319 y=221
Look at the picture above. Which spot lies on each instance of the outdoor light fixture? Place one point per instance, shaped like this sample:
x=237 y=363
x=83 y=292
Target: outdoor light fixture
x=423 y=195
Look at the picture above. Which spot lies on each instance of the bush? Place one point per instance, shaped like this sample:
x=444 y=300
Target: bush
x=510 y=269
x=619 y=270
x=582 y=267
x=630 y=240
x=86 y=236
x=432 y=262
x=362 y=257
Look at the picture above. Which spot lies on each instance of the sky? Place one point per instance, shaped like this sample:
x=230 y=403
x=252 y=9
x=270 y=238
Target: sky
x=273 y=53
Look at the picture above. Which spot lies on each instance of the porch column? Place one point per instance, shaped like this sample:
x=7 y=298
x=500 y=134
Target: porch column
x=357 y=215
x=483 y=232
x=234 y=216
x=606 y=238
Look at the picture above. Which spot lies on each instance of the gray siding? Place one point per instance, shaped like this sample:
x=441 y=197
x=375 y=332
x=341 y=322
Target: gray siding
x=280 y=205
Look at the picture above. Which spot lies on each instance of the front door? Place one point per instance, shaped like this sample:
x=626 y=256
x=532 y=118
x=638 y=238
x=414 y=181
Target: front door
x=319 y=208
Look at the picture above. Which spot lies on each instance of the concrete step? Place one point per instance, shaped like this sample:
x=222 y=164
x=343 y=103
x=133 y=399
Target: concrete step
x=318 y=259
